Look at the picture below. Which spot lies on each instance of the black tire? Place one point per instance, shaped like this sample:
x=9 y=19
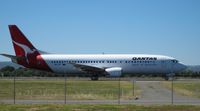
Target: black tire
x=166 y=78
x=94 y=78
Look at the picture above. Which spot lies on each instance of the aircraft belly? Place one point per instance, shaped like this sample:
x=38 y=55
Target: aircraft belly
x=142 y=68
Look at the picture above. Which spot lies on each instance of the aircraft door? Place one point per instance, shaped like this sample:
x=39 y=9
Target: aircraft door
x=166 y=66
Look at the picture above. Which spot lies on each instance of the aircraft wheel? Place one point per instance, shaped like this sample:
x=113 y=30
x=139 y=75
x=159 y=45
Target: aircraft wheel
x=94 y=78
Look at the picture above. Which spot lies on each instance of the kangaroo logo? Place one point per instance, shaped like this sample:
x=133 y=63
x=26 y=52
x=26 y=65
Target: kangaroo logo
x=26 y=49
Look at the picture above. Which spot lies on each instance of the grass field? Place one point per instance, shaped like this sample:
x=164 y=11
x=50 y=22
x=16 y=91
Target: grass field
x=97 y=108
x=76 y=90
x=187 y=88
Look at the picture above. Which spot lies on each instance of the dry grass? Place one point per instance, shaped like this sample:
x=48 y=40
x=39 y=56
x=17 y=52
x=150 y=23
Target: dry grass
x=98 y=108
x=186 y=88
x=76 y=90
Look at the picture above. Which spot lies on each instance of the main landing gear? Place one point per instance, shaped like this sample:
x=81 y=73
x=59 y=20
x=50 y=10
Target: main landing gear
x=95 y=77
x=168 y=76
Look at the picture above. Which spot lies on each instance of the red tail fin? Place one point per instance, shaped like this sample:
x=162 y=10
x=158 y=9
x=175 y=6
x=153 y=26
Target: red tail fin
x=20 y=42
x=23 y=47
x=26 y=54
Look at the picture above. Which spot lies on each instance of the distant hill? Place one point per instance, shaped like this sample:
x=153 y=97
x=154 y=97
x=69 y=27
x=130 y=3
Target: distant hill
x=194 y=68
x=9 y=63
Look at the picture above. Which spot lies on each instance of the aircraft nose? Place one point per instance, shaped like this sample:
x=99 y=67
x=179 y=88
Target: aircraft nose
x=180 y=67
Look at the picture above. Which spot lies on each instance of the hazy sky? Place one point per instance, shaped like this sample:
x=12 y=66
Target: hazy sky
x=167 y=27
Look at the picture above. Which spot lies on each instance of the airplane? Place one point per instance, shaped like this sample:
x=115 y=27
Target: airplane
x=109 y=65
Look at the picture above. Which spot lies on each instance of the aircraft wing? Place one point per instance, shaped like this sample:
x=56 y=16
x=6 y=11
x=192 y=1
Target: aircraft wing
x=87 y=68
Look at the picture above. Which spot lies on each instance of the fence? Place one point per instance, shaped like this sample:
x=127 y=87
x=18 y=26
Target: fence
x=41 y=90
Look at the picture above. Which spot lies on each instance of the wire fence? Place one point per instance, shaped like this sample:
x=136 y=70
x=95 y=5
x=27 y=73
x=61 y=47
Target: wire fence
x=66 y=90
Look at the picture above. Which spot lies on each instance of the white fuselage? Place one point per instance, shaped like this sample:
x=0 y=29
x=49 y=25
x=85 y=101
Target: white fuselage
x=113 y=65
x=130 y=63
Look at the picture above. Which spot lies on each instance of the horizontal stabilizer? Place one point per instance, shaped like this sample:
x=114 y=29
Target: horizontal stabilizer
x=12 y=57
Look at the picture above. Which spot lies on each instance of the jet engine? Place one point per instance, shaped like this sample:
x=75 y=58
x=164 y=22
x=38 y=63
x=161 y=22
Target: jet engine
x=114 y=71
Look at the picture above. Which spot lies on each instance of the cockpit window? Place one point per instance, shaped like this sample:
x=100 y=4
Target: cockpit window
x=174 y=61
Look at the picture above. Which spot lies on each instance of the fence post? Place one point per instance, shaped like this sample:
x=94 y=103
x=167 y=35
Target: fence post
x=172 y=83
x=14 y=88
x=133 y=87
x=65 y=88
x=119 y=93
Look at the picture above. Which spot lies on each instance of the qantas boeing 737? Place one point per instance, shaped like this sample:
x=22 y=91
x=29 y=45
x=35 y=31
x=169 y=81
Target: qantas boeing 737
x=113 y=65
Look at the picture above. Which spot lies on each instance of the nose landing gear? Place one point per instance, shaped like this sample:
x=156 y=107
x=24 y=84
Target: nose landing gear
x=95 y=77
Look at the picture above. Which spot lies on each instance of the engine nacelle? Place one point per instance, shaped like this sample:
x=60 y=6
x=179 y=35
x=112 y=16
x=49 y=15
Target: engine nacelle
x=114 y=71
